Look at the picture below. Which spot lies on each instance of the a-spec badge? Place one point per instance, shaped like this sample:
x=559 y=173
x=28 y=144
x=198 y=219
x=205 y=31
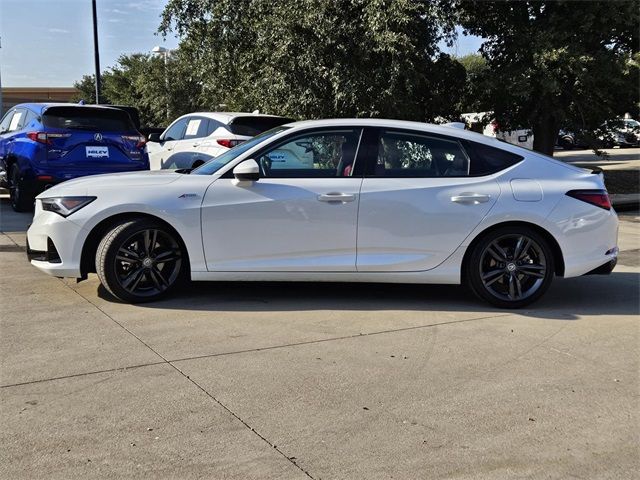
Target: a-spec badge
x=188 y=195
x=97 y=137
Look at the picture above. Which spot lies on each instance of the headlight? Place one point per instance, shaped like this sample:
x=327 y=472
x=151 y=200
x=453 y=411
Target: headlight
x=65 y=206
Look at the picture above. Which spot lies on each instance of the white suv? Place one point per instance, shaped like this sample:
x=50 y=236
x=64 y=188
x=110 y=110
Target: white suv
x=195 y=138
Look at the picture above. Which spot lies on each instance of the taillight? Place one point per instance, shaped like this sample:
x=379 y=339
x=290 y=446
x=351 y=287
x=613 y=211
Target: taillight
x=225 y=142
x=599 y=198
x=45 y=138
x=139 y=139
x=39 y=137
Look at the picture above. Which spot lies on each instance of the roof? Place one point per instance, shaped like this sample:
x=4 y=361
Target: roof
x=386 y=123
x=41 y=107
x=227 y=117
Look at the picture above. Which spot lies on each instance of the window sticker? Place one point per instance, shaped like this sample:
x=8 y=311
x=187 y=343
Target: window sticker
x=15 y=121
x=192 y=127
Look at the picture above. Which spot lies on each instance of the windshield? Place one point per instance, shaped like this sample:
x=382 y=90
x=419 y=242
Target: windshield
x=217 y=163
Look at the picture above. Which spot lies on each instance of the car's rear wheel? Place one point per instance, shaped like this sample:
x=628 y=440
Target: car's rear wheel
x=140 y=261
x=510 y=267
x=21 y=199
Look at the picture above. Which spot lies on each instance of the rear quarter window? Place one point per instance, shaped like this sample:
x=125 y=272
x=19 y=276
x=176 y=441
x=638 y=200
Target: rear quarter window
x=87 y=118
x=252 y=126
x=486 y=160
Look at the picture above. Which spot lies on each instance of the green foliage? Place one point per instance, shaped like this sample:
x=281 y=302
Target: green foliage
x=160 y=91
x=556 y=63
x=318 y=58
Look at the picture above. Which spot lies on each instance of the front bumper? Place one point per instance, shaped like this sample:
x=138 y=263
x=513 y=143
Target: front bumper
x=54 y=244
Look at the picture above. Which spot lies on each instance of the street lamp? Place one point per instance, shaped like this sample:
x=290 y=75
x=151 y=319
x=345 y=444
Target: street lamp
x=165 y=52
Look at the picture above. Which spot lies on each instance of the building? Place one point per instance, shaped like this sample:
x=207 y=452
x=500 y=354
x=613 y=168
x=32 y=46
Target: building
x=13 y=95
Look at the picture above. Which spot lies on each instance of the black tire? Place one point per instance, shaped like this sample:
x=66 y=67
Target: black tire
x=567 y=143
x=510 y=267
x=22 y=199
x=127 y=261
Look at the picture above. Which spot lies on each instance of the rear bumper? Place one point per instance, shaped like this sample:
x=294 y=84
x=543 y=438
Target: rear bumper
x=604 y=269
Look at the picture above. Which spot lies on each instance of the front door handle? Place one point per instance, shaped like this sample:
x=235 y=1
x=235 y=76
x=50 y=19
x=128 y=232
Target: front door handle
x=197 y=144
x=336 y=197
x=471 y=198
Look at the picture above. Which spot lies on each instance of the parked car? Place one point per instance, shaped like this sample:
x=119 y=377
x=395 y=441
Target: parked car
x=620 y=132
x=134 y=113
x=43 y=144
x=483 y=122
x=369 y=200
x=195 y=138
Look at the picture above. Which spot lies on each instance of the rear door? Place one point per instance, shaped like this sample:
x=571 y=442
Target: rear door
x=87 y=137
x=418 y=201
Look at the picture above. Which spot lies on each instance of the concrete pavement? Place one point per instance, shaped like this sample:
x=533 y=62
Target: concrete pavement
x=317 y=380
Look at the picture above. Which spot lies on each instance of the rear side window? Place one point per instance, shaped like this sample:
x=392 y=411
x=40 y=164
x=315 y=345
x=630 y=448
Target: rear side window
x=252 y=126
x=487 y=160
x=88 y=118
x=402 y=154
x=17 y=122
x=196 y=128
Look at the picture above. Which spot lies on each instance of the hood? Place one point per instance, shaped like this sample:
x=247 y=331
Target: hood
x=84 y=185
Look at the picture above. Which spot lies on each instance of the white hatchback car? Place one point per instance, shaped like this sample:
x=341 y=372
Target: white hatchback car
x=195 y=138
x=359 y=200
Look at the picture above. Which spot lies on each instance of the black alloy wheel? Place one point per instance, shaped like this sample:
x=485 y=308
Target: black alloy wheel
x=511 y=268
x=140 y=260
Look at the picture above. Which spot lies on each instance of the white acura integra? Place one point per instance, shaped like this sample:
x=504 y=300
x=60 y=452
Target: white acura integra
x=336 y=200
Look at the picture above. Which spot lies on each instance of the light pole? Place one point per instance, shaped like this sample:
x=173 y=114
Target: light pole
x=96 y=53
x=165 y=52
x=1 y=109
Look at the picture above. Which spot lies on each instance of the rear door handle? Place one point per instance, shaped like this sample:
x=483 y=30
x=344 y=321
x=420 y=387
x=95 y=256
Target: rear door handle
x=197 y=144
x=336 y=197
x=471 y=198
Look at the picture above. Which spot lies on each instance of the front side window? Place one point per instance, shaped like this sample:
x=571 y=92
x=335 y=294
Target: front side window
x=321 y=154
x=419 y=156
x=176 y=131
x=229 y=156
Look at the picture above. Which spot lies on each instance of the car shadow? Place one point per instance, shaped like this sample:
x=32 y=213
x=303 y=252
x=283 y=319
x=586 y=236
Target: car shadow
x=567 y=299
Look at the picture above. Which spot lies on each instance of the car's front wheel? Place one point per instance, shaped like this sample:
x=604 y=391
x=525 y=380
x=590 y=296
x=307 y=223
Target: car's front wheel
x=140 y=260
x=510 y=267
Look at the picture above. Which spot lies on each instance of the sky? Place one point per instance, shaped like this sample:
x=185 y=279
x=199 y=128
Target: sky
x=49 y=43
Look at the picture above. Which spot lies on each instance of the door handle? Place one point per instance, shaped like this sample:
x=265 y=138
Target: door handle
x=471 y=198
x=197 y=144
x=336 y=197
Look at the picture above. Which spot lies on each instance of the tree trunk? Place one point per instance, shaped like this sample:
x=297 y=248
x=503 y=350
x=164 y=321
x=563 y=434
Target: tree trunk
x=545 y=134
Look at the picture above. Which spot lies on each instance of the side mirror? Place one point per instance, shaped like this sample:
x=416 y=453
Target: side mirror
x=247 y=171
x=154 y=137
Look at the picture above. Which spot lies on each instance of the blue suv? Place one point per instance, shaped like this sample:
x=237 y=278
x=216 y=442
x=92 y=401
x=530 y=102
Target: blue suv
x=42 y=144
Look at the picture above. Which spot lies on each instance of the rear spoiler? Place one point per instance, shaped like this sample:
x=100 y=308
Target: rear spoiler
x=598 y=171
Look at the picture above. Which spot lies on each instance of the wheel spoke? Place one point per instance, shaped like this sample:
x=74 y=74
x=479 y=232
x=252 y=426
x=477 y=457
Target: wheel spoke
x=132 y=280
x=497 y=252
x=130 y=253
x=521 y=248
x=518 y=285
x=154 y=279
x=512 y=288
x=533 y=270
x=122 y=258
x=157 y=273
x=167 y=256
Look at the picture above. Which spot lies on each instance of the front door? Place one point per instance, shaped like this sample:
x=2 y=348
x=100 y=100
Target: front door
x=300 y=216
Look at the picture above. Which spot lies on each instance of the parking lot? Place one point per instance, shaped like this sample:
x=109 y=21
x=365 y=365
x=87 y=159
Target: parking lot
x=317 y=380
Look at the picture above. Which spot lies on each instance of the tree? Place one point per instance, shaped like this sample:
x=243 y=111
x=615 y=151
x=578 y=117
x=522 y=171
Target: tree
x=556 y=62
x=317 y=58
x=159 y=91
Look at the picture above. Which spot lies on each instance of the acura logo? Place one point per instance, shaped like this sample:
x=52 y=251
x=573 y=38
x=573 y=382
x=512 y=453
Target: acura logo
x=98 y=137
